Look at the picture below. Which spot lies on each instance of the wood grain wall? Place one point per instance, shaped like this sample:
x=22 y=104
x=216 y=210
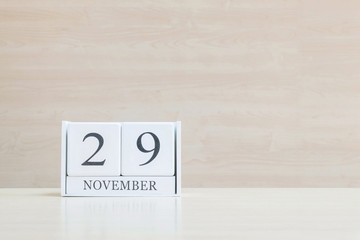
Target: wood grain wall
x=268 y=91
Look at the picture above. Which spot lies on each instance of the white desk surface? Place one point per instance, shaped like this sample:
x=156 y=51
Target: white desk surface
x=202 y=213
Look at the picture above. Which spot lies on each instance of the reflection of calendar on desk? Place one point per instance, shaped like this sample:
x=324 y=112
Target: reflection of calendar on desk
x=121 y=159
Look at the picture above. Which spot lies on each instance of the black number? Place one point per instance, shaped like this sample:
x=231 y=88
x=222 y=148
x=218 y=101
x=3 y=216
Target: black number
x=156 y=148
x=101 y=143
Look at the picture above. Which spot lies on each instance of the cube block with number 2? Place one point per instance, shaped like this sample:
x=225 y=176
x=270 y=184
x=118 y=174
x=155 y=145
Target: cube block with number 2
x=93 y=149
x=121 y=159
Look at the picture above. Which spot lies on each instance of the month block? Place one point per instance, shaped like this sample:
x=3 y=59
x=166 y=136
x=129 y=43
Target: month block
x=93 y=149
x=148 y=149
x=127 y=186
x=121 y=159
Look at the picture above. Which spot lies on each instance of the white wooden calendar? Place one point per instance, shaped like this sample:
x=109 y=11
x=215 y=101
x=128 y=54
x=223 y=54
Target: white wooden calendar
x=121 y=159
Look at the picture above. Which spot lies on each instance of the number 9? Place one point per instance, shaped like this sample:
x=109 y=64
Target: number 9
x=156 y=148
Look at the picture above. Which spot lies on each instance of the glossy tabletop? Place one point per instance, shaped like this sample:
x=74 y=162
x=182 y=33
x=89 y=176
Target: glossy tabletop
x=200 y=213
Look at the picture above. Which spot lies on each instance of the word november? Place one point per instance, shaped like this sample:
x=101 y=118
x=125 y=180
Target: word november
x=114 y=185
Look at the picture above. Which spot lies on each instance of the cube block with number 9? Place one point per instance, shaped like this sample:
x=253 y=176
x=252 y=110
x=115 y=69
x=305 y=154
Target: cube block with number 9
x=121 y=159
x=149 y=156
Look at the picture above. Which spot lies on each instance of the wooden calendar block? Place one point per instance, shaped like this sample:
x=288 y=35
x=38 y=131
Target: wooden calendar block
x=121 y=159
x=148 y=149
x=93 y=149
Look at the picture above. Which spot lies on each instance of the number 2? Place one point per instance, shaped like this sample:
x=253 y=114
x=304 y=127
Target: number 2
x=156 y=148
x=101 y=143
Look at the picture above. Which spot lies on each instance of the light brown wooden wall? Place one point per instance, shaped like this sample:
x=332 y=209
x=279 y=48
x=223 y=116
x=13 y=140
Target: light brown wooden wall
x=268 y=91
